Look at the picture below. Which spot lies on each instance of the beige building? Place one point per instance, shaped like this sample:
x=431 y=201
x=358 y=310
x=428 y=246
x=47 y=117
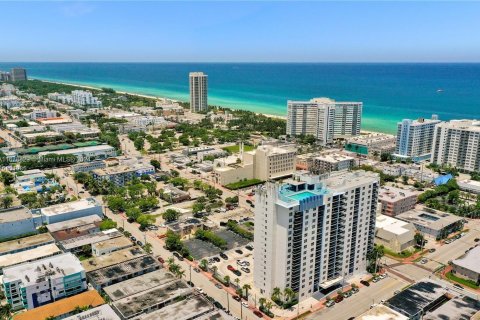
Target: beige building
x=332 y=162
x=395 y=200
x=468 y=266
x=265 y=163
x=394 y=234
x=111 y=245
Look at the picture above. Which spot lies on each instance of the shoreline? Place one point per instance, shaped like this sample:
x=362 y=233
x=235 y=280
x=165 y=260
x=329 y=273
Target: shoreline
x=362 y=131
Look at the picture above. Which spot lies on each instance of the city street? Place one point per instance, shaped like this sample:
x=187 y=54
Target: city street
x=361 y=302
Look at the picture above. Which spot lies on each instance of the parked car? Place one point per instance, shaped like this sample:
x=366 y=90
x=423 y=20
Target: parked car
x=244 y=304
x=200 y=290
x=329 y=303
x=218 y=305
x=376 y=279
x=196 y=270
x=133 y=239
x=338 y=299
x=160 y=259
x=245 y=269
x=140 y=243
x=423 y=261
x=237 y=298
x=382 y=276
x=432 y=250
x=347 y=294
x=248 y=247
x=354 y=290
x=223 y=256
x=476 y=239
x=230 y=267
x=216 y=259
x=178 y=256
x=239 y=251
x=218 y=285
x=237 y=273
x=365 y=283
x=258 y=313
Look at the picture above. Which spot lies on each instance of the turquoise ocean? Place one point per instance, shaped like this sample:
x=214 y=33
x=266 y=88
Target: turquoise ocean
x=390 y=92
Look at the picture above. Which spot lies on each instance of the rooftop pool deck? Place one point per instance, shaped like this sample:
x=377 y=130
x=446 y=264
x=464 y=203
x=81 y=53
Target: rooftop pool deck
x=302 y=195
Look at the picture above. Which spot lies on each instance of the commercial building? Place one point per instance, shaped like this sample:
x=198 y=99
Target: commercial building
x=77 y=244
x=122 y=271
x=18 y=74
x=37 y=283
x=75 y=227
x=63 y=308
x=42 y=113
x=116 y=257
x=394 y=201
x=468 y=265
x=111 y=245
x=10 y=102
x=418 y=299
x=381 y=312
x=198 y=91
x=458 y=308
x=189 y=151
x=79 y=130
x=103 y=312
x=415 y=138
x=86 y=154
x=46 y=136
x=456 y=143
x=469 y=186
x=432 y=223
x=371 y=143
x=16 y=221
x=12 y=259
x=88 y=166
x=332 y=162
x=193 y=307
x=70 y=210
x=120 y=175
x=313 y=233
x=324 y=118
x=264 y=163
x=54 y=121
x=397 y=235
x=24 y=244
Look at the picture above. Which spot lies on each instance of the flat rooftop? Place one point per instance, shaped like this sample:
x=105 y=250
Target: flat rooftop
x=74 y=223
x=33 y=272
x=70 y=207
x=189 y=308
x=458 y=308
x=139 y=303
x=381 y=312
x=436 y=221
x=12 y=259
x=14 y=214
x=103 y=312
x=105 y=275
x=113 y=258
x=113 y=243
x=392 y=194
x=414 y=299
x=63 y=306
x=470 y=260
x=102 y=147
x=392 y=225
x=138 y=284
x=91 y=238
x=334 y=158
x=27 y=242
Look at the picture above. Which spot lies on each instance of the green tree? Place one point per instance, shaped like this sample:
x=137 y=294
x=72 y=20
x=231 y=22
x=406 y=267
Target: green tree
x=144 y=220
x=7 y=178
x=203 y=264
x=170 y=215
x=156 y=164
x=226 y=279
x=133 y=213
x=107 y=224
x=7 y=201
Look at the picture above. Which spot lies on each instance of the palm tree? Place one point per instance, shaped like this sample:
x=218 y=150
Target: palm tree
x=180 y=273
x=214 y=270
x=226 y=279
x=170 y=261
x=246 y=287
x=262 y=301
x=268 y=305
x=204 y=264
x=277 y=292
x=289 y=294
x=237 y=282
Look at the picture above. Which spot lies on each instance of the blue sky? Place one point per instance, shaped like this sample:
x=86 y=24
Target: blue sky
x=200 y=31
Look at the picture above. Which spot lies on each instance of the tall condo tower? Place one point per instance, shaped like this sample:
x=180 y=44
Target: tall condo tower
x=313 y=232
x=18 y=74
x=198 y=92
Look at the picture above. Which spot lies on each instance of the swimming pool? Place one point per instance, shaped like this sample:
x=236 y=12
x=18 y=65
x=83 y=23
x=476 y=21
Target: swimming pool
x=302 y=195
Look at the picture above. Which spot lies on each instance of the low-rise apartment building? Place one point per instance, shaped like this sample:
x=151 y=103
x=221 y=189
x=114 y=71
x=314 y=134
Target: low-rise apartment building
x=332 y=162
x=468 y=265
x=432 y=223
x=70 y=210
x=394 y=201
x=395 y=234
x=86 y=154
x=121 y=174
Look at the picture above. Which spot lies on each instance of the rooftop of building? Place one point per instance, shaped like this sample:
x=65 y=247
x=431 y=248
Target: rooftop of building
x=103 y=312
x=470 y=260
x=392 y=194
x=392 y=225
x=436 y=220
x=102 y=147
x=381 y=312
x=41 y=134
x=415 y=298
x=58 y=265
x=74 y=223
x=107 y=274
x=112 y=258
x=66 y=207
x=116 y=242
x=273 y=150
x=334 y=158
x=27 y=242
x=138 y=284
x=64 y=306
x=371 y=137
x=472 y=183
x=421 y=121
x=14 y=214
x=186 y=309
x=138 y=303
x=90 y=238
x=12 y=259
x=458 y=308
x=464 y=124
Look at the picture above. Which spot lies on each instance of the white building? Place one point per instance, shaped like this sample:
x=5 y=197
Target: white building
x=415 y=138
x=86 y=154
x=70 y=210
x=311 y=234
x=37 y=283
x=324 y=118
x=16 y=221
x=60 y=97
x=394 y=234
x=332 y=162
x=198 y=91
x=469 y=186
x=42 y=113
x=85 y=98
x=456 y=143
x=121 y=174
x=10 y=102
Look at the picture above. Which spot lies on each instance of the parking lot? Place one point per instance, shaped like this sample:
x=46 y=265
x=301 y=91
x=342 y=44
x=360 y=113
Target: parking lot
x=201 y=249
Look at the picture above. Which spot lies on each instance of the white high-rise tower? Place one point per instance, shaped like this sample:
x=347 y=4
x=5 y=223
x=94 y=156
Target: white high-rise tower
x=198 y=92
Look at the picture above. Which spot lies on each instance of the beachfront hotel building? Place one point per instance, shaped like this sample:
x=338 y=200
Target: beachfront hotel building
x=85 y=98
x=415 y=138
x=18 y=74
x=324 y=118
x=457 y=143
x=198 y=92
x=314 y=232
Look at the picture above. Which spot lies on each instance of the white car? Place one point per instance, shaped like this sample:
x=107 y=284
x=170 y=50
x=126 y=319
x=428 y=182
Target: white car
x=200 y=290
x=244 y=304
